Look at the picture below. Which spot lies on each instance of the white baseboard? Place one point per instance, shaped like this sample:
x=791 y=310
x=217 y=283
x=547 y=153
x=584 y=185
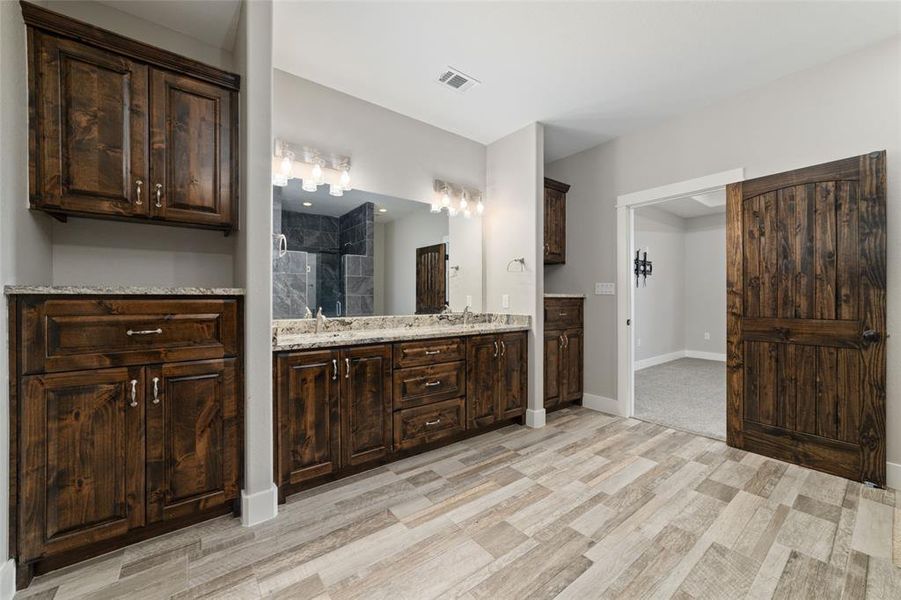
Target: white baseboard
x=601 y=404
x=893 y=475
x=259 y=506
x=535 y=418
x=8 y=580
x=705 y=355
x=658 y=360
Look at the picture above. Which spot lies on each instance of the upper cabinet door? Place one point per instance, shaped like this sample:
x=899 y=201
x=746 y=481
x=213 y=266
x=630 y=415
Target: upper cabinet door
x=88 y=132
x=82 y=459
x=192 y=150
x=192 y=437
x=554 y=222
x=366 y=407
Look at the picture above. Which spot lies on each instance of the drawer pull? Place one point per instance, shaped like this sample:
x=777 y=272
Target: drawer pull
x=562 y=314
x=430 y=423
x=138 y=185
x=432 y=383
x=156 y=390
x=159 y=193
x=134 y=392
x=432 y=352
x=144 y=331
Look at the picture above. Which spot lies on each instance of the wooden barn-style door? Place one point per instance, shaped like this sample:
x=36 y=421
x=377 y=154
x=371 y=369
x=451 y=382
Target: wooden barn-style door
x=806 y=317
x=431 y=279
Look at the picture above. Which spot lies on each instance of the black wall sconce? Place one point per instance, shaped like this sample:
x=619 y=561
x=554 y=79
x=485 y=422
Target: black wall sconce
x=643 y=268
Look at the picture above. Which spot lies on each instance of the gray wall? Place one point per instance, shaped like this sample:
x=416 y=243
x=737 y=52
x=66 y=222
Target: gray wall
x=401 y=239
x=660 y=301
x=844 y=108
x=705 y=284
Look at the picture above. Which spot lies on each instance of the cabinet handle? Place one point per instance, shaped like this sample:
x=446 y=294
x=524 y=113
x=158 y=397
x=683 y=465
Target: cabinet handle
x=347 y=368
x=561 y=341
x=547 y=249
x=503 y=348
x=144 y=331
x=431 y=352
x=430 y=423
x=138 y=186
x=134 y=393
x=159 y=193
x=566 y=339
x=334 y=369
x=156 y=390
x=432 y=383
x=495 y=350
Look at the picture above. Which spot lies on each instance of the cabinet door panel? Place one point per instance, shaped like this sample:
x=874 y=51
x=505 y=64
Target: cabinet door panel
x=553 y=354
x=192 y=437
x=513 y=393
x=82 y=459
x=366 y=420
x=89 y=129
x=573 y=364
x=192 y=151
x=308 y=425
x=482 y=383
x=554 y=227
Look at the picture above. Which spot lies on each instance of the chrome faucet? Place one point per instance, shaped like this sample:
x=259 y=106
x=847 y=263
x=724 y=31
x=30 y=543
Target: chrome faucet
x=466 y=314
x=307 y=314
x=320 y=319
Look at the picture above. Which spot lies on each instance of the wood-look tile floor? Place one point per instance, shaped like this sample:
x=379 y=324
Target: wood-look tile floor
x=591 y=506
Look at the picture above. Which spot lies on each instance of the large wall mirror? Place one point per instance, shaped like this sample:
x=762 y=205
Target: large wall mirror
x=365 y=254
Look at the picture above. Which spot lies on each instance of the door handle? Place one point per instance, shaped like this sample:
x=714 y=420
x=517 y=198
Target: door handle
x=496 y=349
x=871 y=335
x=503 y=348
x=562 y=344
x=156 y=390
x=566 y=339
x=159 y=193
x=138 y=185
x=134 y=393
x=334 y=369
x=346 y=368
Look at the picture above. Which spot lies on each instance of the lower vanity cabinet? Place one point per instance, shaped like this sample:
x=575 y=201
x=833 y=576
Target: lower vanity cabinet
x=496 y=378
x=563 y=351
x=333 y=410
x=107 y=456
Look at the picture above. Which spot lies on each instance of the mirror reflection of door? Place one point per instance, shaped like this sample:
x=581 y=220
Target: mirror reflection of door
x=431 y=279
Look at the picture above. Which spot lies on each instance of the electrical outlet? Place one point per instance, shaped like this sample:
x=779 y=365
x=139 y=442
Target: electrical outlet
x=505 y=301
x=604 y=289
x=706 y=335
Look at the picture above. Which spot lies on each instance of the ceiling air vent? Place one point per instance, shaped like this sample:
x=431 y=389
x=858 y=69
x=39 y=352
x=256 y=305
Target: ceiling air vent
x=456 y=80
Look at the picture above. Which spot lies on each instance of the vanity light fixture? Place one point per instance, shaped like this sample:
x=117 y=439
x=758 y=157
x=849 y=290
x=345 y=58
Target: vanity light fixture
x=345 y=180
x=307 y=185
x=308 y=204
x=335 y=190
x=383 y=210
x=456 y=199
x=312 y=166
x=480 y=207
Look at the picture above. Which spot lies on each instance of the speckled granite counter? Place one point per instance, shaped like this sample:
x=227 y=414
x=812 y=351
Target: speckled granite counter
x=564 y=295
x=300 y=334
x=87 y=290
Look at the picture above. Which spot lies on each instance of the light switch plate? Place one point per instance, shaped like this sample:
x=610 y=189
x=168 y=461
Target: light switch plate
x=505 y=301
x=604 y=289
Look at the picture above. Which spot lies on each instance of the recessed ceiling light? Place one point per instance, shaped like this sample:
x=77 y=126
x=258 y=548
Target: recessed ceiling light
x=308 y=204
x=383 y=210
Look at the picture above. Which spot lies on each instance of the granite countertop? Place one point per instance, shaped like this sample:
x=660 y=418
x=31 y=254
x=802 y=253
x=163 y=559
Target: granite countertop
x=307 y=341
x=85 y=290
x=564 y=295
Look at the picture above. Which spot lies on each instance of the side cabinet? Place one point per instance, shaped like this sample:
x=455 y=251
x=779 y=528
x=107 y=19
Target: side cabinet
x=126 y=421
x=554 y=222
x=563 y=351
x=497 y=377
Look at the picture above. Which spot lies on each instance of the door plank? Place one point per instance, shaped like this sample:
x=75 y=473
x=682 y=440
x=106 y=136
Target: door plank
x=803 y=251
x=785 y=229
x=825 y=332
x=805 y=408
x=734 y=311
x=769 y=256
x=752 y=379
x=849 y=390
x=847 y=278
x=751 y=224
x=787 y=382
x=767 y=387
x=824 y=254
x=827 y=386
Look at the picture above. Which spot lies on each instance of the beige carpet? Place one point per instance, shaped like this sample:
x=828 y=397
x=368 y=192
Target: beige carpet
x=687 y=394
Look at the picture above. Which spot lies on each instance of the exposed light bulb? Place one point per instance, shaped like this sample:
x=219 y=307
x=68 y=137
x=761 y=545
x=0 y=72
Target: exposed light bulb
x=345 y=180
x=445 y=199
x=335 y=190
x=317 y=174
x=463 y=203
x=436 y=208
x=452 y=211
x=279 y=180
x=308 y=185
x=480 y=208
x=286 y=166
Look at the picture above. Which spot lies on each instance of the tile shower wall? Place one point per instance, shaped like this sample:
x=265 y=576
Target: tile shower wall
x=310 y=233
x=357 y=238
x=289 y=283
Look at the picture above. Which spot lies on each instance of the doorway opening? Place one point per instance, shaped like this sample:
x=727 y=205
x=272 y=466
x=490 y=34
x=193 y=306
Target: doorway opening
x=672 y=308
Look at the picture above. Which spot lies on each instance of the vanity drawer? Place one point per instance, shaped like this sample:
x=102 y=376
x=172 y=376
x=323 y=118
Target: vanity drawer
x=416 y=386
x=560 y=313
x=425 y=424
x=67 y=334
x=428 y=352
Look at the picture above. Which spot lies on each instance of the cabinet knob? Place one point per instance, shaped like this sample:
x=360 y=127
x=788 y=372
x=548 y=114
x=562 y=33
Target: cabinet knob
x=138 y=187
x=159 y=195
x=134 y=392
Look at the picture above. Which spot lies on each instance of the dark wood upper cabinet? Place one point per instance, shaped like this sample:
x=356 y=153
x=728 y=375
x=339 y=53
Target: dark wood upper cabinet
x=82 y=459
x=123 y=130
x=554 y=222
x=366 y=407
x=192 y=437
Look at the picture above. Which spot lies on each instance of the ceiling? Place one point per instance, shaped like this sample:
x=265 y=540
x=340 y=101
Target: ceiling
x=293 y=198
x=698 y=205
x=589 y=70
x=214 y=22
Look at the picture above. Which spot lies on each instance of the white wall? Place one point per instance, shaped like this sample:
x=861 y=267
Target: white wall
x=704 y=302
x=513 y=224
x=402 y=238
x=391 y=154
x=253 y=262
x=660 y=301
x=847 y=107
x=92 y=252
x=378 y=268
